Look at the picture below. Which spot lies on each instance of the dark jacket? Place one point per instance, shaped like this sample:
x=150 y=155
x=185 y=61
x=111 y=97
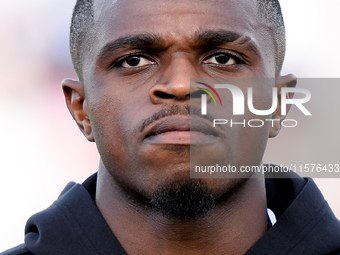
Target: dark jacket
x=73 y=224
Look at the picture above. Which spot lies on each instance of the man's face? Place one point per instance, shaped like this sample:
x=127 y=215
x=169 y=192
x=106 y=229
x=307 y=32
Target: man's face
x=137 y=85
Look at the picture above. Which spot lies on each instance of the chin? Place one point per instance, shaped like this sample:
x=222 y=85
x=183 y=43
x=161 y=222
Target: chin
x=183 y=198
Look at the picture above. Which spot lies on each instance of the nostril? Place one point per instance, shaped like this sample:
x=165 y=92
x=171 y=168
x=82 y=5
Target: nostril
x=161 y=94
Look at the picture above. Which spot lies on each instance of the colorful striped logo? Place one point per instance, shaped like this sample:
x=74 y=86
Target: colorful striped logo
x=209 y=93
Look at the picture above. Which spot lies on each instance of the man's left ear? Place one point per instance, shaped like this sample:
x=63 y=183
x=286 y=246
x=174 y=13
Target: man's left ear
x=288 y=80
x=76 y=103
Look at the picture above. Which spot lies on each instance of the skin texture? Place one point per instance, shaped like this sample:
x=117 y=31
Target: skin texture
x=113 y=100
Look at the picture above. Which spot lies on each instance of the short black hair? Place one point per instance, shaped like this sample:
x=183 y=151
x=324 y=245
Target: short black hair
x=271 y=13
x=82 y=21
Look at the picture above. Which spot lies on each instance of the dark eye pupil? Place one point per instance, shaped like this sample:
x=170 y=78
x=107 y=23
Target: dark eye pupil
x=222 y=58
x=133 y=61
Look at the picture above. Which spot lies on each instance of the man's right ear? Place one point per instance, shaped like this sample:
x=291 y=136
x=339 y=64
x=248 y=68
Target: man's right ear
x=76 y=103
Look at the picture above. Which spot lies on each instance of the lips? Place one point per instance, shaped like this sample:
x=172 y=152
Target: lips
x=181 y=129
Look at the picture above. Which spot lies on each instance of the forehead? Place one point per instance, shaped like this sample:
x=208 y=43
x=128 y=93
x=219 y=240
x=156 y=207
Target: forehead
x=176 y=21
x=178 y=18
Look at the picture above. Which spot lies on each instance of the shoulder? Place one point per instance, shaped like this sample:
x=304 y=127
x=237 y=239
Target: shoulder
x=305 y=222
x=18 y=250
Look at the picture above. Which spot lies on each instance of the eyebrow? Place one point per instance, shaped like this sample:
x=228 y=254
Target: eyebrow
x=200 y=40
x=140 y=41
x=212 y=38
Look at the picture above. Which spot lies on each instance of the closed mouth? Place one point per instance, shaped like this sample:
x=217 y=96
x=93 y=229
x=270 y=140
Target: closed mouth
x=180 y=127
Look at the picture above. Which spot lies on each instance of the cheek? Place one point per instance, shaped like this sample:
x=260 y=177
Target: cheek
x=109 y=128
x=110 y=114
x=247 y=133
x=115 y=121
x=254 y=142
x=255 y=136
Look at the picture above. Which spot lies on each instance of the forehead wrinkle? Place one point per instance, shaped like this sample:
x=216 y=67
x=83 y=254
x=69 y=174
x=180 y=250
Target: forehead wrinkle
x=247 y=42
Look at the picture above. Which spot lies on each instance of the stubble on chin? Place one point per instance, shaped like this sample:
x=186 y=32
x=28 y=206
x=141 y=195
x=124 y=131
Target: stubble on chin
x=184 y=199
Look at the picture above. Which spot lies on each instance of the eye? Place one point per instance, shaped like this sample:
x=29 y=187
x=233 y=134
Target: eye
x=134 y=61
x=221 y=59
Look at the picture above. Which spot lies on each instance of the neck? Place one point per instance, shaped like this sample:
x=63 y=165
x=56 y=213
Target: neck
x=232 y=227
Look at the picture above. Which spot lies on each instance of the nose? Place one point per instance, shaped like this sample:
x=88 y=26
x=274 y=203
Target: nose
x=174 y=81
